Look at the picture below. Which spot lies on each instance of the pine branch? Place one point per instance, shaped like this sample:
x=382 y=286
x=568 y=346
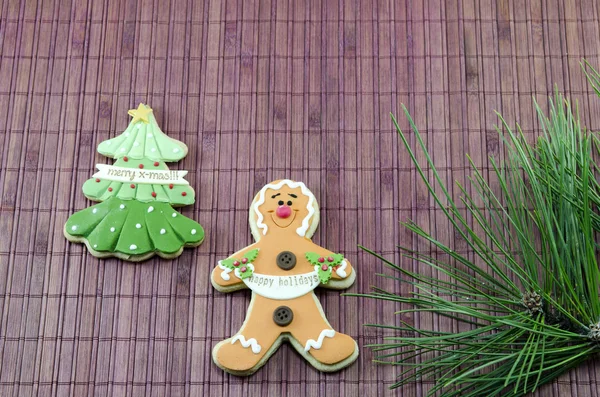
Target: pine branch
x=531 y=312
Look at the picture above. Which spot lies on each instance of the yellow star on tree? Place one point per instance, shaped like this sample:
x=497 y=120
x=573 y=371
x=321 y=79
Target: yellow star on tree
x=140 y=114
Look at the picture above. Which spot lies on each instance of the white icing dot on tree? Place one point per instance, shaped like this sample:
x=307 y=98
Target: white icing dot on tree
x=95 y=245
x=127 y=134
x=94 y=210
x=122 y=149
x=138 y=226
x=150 y=209
x=122 y=206
x=138 y=126
x=175 y=150
x=193 y=231
x=149 y=135
x=153 y=149
x=174 y=214
x=162 y=231
x=136 y=143
x=132 y=247
x=112 y=229
x=107 y=143
x=73 y=227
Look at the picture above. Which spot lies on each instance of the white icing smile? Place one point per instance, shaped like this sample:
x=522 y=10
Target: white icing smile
x=278 y=221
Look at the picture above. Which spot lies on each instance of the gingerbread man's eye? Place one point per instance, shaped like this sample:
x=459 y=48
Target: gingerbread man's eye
x=289 y=203
x=280 y=202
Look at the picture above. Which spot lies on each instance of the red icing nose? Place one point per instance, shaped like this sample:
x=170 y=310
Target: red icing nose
x=283 y=211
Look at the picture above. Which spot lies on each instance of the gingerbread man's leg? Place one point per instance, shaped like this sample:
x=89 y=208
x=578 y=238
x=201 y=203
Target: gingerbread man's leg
x=314 y=337
x=254 y=342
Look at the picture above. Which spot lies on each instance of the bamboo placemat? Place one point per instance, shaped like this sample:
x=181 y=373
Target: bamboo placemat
x=258 y=90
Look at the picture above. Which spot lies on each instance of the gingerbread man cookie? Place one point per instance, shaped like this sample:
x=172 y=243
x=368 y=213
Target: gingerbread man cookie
x=282 y=268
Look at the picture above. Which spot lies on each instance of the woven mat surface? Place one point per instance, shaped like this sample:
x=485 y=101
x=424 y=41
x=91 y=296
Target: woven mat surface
x=258 y=90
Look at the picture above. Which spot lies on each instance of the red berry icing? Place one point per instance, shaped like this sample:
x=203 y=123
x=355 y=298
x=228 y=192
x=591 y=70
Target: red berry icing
x=236 y=263
x=243 y=269
x=110 y=189
x=156 y=163
x=321 y=259
x=183 y=193
x=324 y=267
x=244 y=260
x=125 y=158
x=97 y=179
x=171 y=186
x=132 y=186
x=153 y=194
x=141 y=166
x=329 y=259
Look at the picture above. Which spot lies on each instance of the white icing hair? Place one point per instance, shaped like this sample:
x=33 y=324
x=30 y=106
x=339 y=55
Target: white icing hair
x=311 y=207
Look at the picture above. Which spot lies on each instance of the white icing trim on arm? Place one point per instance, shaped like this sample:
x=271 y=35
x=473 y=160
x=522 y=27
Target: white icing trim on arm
x=261 y=200
x=225 y=273
x=256 y=348
x=316 y=344
x=341 y=270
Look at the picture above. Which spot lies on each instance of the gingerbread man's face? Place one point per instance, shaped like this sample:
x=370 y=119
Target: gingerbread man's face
x=284 y=205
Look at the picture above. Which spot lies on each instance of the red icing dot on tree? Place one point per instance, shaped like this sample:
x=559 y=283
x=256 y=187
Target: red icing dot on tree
x=171 y=186
x=236 y=263
x=244 y=260
x=141 y=166
x=153 y=194
x=132 y=186
x=125 y=158
x=183 y=193
x=321 y=259
x=330 y=259
x=156 y=163
x=110 y=189
x=324 y=267
x=97 y=179
x=243 y=269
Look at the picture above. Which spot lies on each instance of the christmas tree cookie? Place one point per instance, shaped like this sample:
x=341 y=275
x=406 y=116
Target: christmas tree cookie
x=135 y=218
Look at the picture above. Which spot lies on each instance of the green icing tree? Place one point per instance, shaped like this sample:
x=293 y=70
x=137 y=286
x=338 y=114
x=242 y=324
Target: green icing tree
x=135 y=218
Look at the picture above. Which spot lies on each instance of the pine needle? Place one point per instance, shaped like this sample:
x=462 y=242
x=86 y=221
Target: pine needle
x=531 y=310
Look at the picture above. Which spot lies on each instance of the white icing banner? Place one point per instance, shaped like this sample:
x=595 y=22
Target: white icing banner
x=135 y=175
x=282 y=287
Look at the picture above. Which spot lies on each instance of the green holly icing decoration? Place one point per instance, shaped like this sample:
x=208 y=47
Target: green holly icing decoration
x=248 y=273
x=250 y=256
x=324 y=275
x=135 y=218
x=313 y=258
x=325 y=264
x=228 y=263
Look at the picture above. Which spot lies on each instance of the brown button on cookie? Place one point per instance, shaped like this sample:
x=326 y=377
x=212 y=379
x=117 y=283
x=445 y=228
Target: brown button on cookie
x=286 y=260
x=283 y=316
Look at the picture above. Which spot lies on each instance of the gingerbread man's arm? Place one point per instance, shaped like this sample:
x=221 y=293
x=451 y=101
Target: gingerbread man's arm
x=342 y=275
x=223 y=278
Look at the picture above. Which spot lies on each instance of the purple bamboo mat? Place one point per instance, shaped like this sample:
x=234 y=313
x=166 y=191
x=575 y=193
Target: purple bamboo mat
x=258 y=90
